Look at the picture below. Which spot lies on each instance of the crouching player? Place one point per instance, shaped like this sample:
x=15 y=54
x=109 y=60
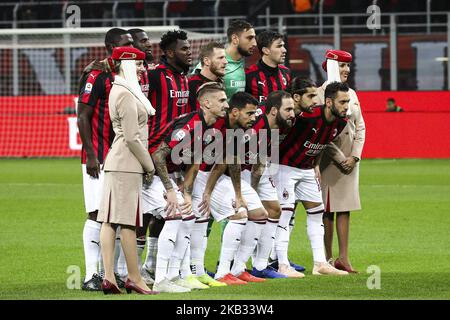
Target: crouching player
x=165 y=199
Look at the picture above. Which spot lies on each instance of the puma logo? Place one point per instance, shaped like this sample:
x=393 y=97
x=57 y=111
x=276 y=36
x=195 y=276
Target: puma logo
x=284 y=228
x=314 y=129
x=263 y=83
x=171 y=241
x=97 y=243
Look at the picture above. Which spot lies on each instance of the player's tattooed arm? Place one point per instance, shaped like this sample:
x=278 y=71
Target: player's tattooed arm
x=234 y=170
x=159 y=158
x=257 y=172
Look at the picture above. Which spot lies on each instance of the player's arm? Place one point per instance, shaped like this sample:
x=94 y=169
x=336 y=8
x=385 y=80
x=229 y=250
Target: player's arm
x=317 y=167
x=84 y=118
x=234 y=170
x=257 y=172
x=188 y=183
x=159 y=158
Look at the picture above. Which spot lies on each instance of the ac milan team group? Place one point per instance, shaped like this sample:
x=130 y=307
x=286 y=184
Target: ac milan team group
x=179 y=195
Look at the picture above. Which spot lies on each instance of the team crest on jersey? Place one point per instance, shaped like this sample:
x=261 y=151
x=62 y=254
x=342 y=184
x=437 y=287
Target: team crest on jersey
x=285 y=194
x=233 y=203
x=258 y=112
x=207 y=139
x=334 y=133
x=180 y=135
x=283 y=79
x=246 y=138
x=88 y=88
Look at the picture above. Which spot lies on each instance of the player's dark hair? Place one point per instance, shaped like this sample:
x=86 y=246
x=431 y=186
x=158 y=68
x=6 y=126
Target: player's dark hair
x=112 y=38
x=266 y=38
x=332 y=89
x=300 y=85
x=209 y=87
x=170 y=38
x=207 y=50
x=237 y=27
x=240 y=99
x=275 y=99
x=135 y=31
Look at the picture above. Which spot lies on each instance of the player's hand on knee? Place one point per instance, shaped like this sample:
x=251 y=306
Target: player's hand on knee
x=172 y=204
x=240 y=203
x=186 y=207
x=204 y=206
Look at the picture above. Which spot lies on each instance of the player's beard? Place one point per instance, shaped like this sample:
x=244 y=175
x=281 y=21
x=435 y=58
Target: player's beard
x=244 y=53
x=183 y=65
x=214 y=70
x=336 y=113
x=283 y=123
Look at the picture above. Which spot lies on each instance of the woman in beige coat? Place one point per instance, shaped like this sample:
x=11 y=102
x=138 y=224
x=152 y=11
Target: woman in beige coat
x=127 y=162
x=340 y=165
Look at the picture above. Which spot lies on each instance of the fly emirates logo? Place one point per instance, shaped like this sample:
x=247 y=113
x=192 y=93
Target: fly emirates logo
x=314 y=148
x=181 y=96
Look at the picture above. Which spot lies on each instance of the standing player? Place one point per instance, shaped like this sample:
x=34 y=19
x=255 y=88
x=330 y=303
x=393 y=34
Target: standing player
x=340 y=165
x=169 y=93
x=268 y=74
x=96 y=135
x=241 y=44
x=213 y=62
x=166 y=200
x=298 y=177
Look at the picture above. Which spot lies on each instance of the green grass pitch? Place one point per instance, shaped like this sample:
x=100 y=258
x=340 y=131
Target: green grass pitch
x=403 y=229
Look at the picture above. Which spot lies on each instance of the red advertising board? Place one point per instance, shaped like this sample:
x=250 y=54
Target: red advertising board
x=45 y=126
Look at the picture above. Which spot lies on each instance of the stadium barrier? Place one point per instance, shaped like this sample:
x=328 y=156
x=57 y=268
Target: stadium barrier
x=422 y=131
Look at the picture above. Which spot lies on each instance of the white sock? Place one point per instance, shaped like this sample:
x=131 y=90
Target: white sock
x=230 y=243
x=316 y=231
x=140 y=249
x=282 y=234
x=249 y=239
x=181 y=244
x=91 y=244
x=150 y=259
x=185 y=270
x=166 y=244
x=265 y=244
x=198 y=246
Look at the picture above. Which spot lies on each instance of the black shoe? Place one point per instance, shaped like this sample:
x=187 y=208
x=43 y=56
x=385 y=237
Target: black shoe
x=273 y=264
x=94 y=284
x=120 y=282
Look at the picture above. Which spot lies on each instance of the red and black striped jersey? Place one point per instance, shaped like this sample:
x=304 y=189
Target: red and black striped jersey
x=194 y=82
x=309 y=136
x=94 y=91
x=261 y=80
x=169 y=94
x=183 y=131
x=262 y=132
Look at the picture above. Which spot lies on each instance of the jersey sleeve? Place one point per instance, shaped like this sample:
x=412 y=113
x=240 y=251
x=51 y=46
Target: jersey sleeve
x=181 y=133
x=92 y=89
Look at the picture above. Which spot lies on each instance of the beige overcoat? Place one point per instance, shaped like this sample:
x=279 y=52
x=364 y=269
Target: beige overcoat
x=127 y=159
x=340 y=191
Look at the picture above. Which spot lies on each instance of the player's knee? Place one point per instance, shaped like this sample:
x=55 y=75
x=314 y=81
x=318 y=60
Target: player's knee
x=258 y=214
x=273 y=209
x=240 y=214
x=329 y=216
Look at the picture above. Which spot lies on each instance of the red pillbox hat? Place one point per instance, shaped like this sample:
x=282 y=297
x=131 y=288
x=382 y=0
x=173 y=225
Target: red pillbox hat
x=338 y=55
x=127 y=53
